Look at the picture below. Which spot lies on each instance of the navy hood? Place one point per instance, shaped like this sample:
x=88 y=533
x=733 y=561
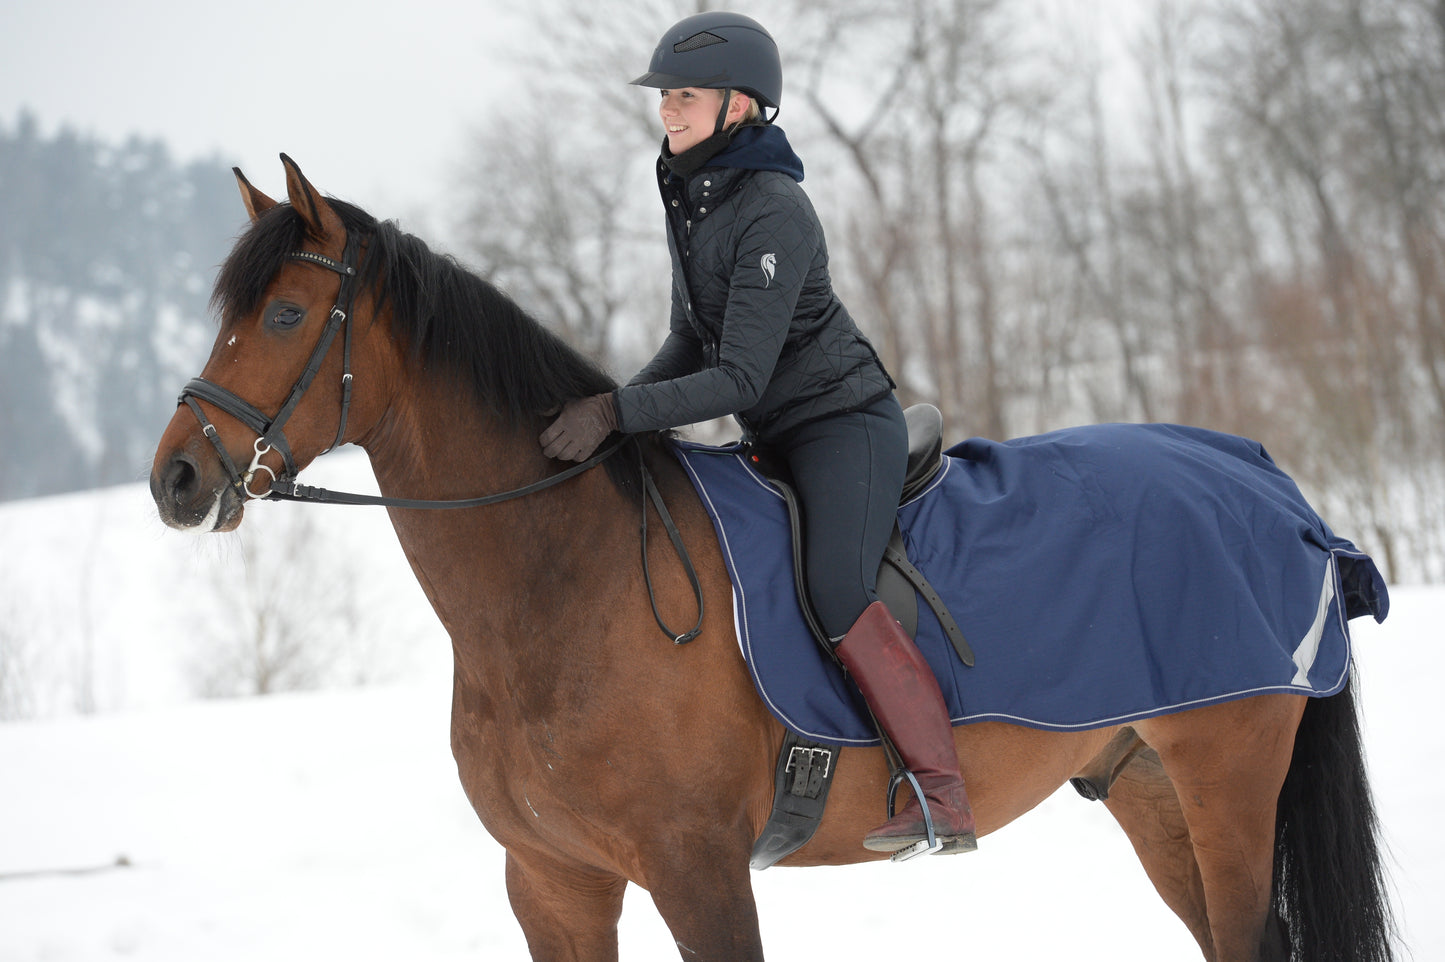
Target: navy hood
x=760 y=147
x=754 y=147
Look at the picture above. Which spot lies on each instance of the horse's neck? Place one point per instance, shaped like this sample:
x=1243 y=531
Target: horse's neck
x=507 y=580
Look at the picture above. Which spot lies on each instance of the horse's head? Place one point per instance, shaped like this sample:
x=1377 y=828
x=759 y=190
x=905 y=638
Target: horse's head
x=317 y=289
x=275 y=393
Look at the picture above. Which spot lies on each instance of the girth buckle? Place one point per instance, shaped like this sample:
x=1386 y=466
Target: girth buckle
x=809 y=767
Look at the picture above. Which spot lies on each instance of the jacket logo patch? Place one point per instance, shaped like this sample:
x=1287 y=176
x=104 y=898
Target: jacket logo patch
x=769 y=265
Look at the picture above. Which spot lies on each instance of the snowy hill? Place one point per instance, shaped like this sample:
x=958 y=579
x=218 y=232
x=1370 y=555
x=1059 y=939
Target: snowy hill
x=130 y=612
x=330 y=824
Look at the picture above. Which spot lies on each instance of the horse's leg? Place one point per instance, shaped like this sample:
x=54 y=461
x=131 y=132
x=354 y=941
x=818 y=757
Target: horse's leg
x=1142 y=800
x=1227 y=763
x=705 y=895
x=568 y=912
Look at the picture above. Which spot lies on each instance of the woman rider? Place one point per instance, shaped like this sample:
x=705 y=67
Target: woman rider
x=757 y=332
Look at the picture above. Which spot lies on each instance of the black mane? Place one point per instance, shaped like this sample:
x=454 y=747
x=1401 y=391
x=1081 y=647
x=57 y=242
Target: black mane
x=453 y=322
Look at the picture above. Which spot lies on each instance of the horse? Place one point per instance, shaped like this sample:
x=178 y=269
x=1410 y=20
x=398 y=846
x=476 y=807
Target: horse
x=597 y=753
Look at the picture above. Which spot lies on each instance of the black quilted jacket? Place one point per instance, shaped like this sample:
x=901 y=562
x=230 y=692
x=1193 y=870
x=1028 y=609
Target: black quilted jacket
x=756 y=330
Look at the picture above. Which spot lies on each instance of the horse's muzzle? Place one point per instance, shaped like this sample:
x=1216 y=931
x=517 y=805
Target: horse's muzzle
x=188 y=501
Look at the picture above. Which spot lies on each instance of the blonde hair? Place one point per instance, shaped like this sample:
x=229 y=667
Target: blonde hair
x=754 y=113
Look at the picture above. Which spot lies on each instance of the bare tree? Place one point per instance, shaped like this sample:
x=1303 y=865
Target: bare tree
x=19 y=658
x=569 y=224
x=1336 y=105
x=292 y=619
x=1257 y=245
x=548 y=226
x=940 y=85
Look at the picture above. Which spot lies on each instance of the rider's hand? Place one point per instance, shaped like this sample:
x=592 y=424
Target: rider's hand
x=582 y=425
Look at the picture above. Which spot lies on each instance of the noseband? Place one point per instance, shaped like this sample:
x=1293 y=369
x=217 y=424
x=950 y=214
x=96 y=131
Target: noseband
x=272 y=435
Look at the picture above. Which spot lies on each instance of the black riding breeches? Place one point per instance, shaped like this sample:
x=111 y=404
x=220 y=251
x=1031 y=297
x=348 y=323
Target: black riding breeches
x=848 y=470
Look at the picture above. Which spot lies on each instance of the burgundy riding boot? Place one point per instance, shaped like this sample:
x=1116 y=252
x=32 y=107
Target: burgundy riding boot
x=904 y=695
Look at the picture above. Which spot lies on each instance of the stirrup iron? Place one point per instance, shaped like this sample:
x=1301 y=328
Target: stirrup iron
x=924 y=846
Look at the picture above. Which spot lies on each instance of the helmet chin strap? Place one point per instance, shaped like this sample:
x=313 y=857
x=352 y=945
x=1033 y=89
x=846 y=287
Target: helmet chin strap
x=722 y=114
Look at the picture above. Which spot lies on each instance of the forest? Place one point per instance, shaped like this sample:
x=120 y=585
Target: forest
x=107 y=253
x=1232 y=221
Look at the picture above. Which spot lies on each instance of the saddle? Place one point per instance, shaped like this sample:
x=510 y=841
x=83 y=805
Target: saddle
x=805 y=768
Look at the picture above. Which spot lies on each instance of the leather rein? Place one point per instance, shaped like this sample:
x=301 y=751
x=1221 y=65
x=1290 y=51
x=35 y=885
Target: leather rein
x=271 y=436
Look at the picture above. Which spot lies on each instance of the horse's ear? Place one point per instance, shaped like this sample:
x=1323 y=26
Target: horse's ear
x=256 y=202
x=322 y=223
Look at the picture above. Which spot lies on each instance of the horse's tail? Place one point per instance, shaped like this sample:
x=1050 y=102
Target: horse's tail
x=1329 y=877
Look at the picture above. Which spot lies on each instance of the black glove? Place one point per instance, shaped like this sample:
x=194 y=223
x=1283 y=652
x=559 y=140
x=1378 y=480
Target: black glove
x=582 y=425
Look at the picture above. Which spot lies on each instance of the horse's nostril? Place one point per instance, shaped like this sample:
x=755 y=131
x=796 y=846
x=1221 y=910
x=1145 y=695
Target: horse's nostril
x=182 y=478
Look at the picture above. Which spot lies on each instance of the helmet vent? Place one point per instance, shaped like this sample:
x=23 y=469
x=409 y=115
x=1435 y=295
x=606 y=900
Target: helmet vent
x=697 y=41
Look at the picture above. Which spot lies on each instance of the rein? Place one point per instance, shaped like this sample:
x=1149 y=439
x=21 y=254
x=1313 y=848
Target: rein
x=289 y=490
x=271 y=436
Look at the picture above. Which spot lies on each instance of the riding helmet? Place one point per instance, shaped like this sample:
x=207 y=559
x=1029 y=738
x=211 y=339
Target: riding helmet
x=718 y=50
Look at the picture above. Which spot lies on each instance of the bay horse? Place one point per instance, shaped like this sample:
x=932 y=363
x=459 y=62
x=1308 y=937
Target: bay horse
x=598 y=753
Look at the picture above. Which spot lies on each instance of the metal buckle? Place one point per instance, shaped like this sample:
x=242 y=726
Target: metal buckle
x=261 y=447
x=812 y=754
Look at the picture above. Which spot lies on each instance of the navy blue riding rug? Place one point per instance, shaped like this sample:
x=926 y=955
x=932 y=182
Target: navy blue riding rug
x=1101 y=574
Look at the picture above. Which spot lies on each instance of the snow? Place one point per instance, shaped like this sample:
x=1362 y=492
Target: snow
x=330 y=824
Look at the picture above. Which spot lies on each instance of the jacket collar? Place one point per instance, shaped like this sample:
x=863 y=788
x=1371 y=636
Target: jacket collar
x=693 y=159
x=761 y=147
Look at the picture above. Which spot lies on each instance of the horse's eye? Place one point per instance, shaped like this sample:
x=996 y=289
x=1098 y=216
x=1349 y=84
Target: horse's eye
x=287 y=316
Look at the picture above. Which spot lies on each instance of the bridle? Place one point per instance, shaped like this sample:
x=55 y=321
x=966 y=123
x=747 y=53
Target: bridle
x=271 y=436
x=271 y=430
x=271 y=433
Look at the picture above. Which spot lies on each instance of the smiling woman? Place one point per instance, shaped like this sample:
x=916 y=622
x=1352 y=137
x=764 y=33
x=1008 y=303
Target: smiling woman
x=758 y=332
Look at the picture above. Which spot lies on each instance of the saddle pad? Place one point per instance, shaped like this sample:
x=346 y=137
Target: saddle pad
x=1102 y=574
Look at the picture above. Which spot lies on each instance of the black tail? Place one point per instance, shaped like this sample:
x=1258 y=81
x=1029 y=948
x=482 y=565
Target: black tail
x=1329 y=878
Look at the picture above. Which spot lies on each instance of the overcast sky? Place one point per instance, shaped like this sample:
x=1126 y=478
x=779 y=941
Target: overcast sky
x=373 y=98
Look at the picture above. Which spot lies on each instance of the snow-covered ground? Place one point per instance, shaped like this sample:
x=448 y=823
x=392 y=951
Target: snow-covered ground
x=330 y=824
